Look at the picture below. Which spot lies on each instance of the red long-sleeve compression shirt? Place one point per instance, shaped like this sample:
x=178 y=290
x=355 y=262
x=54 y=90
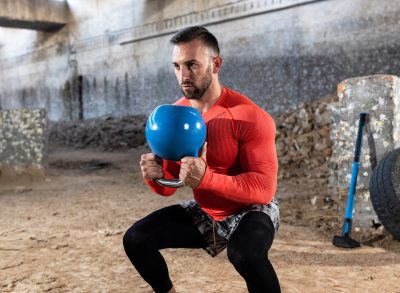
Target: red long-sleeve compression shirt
x=241 y=160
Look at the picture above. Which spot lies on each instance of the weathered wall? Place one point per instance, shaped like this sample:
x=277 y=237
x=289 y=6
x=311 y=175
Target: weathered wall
x=113 y=57
x=23 y=140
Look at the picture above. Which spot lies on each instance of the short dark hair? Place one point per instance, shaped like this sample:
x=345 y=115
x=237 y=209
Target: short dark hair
x=189 y=34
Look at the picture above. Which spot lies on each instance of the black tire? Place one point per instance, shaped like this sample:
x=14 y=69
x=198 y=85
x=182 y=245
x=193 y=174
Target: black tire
x=384 y=188
x=378 y=204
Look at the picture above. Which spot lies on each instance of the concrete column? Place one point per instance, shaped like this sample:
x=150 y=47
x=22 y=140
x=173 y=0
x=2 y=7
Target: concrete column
x=379 y=96
x=33 y=14
x=23 y=142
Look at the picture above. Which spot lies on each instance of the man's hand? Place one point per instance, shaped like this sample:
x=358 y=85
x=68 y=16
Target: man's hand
x=193 y=169
x=151 y=166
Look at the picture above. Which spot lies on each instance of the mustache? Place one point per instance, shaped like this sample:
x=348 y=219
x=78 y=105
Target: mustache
x=187 y=83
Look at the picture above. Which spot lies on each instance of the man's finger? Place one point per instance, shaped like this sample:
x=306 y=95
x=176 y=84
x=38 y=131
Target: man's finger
x=204 y=152
x=152 y=169
x=151 y=157
x=148 y=156
x=185 y=160
x=150 y=163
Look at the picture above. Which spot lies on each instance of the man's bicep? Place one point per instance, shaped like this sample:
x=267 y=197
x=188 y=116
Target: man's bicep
x=258 y=151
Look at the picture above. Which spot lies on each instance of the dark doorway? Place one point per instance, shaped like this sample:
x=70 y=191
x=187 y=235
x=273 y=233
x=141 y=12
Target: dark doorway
x=80 y=97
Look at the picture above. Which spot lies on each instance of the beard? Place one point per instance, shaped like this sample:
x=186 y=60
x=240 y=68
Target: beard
x=196 y=92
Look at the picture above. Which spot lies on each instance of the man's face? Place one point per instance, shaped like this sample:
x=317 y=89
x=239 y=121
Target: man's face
x=193 y=68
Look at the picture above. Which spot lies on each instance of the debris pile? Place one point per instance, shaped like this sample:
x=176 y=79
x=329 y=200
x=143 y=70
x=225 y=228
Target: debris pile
x=303 y=137
x=107 y=133
x=303 y=140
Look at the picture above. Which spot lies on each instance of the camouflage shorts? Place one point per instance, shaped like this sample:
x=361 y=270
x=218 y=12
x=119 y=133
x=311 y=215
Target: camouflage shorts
x=217 y=233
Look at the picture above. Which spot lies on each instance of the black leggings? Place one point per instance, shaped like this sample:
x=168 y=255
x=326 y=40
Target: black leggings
x=171 y=227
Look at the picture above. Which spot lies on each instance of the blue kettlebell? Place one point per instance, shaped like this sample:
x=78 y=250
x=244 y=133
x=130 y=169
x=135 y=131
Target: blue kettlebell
x=174 y=132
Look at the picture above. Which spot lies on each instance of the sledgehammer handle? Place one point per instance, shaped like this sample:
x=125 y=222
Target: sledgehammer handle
x=361 y=124
x=354 y=174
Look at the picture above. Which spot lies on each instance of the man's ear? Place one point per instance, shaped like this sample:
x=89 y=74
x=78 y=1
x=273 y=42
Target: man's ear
x=217 y=62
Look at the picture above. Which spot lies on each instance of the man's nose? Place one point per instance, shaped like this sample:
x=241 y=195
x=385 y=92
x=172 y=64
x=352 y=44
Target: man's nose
x=184 y=74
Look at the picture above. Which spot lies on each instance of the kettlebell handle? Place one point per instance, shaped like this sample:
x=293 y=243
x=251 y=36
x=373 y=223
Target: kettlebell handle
x=174 y=183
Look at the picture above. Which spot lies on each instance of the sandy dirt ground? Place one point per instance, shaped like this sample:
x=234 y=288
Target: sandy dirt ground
x=64 y=234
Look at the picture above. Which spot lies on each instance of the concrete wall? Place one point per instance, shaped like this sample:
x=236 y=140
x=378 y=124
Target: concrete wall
x=113 y=57
x=23 y=141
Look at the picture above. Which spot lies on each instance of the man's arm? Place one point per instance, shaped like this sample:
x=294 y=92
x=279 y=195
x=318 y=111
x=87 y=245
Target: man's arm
x=258 y=180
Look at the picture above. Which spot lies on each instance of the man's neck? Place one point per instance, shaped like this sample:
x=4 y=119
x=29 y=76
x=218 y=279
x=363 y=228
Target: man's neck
x=209 y=98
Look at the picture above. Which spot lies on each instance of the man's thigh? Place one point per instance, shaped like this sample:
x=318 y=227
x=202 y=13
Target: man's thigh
x=169 y=227
x=255 y=232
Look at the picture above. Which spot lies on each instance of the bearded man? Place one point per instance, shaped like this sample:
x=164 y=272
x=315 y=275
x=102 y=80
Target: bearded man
x=233 y=181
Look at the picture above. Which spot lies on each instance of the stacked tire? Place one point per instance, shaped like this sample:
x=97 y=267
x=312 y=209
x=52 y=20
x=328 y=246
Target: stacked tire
x=384 y=188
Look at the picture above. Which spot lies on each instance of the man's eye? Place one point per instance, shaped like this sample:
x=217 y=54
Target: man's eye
x=191 y=65
x=176 y=66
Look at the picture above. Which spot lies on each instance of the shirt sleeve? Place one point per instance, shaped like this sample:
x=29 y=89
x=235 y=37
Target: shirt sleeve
x=171 y=171
x=258 y=180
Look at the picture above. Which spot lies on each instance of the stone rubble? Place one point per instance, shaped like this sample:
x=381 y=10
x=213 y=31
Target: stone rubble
x=304 y=141
x=303 y=137
x=107 y=133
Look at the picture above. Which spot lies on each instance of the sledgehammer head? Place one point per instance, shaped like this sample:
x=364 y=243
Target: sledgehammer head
x=345 y=242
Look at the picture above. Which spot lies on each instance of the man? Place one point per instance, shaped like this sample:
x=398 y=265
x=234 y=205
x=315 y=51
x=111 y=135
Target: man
x=233 y=181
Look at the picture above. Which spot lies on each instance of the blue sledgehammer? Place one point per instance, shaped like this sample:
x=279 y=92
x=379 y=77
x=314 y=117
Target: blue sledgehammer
x=345 y=240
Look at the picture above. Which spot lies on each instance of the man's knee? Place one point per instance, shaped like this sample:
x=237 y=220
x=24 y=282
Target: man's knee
x=245 y=258
x=133 y=239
